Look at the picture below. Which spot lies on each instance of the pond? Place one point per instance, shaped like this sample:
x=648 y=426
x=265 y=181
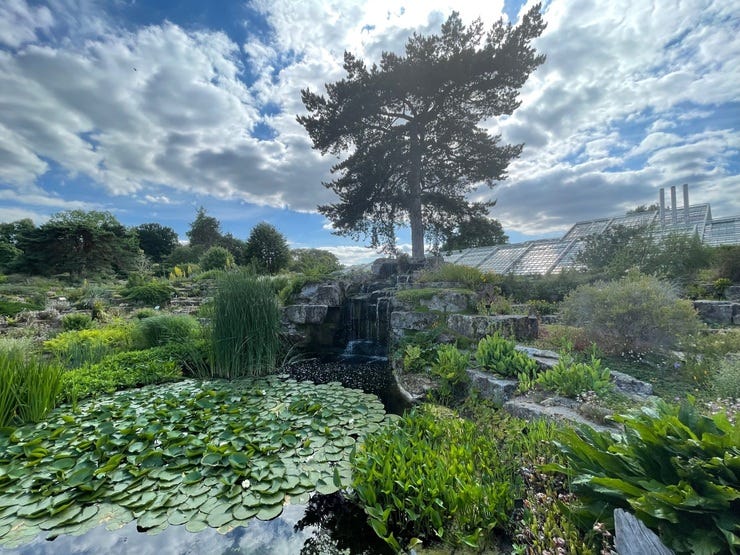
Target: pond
x=184 y=460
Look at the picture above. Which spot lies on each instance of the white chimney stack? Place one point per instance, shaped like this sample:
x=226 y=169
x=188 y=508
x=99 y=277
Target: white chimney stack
x=674 y=215
x=686 y=203
x=662 y=207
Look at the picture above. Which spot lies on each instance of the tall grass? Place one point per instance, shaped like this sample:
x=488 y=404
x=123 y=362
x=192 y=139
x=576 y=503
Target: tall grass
x=29 y=387
x=245 y=326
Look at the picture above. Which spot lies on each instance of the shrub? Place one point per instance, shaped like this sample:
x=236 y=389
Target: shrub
x=165 y=328
x=472 y=278
x=245 y=327
x=451 y=367
x=703 y=354
x=636 y=313
x=12 y=308
x=559 y=337
x=145 y=313
x=726 y=379
x=29 y=387
x=216 y=258
x=674 y=468
x=569 y=378
x=496 y=354
x=433 y=477
x=75 y=348
x=120 y=371
x=726 y=262
x=413 y=360
x=154 y=292
x=76 y=321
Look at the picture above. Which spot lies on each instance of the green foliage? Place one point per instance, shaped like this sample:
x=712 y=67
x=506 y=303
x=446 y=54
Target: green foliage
x=636 y=313
x=425 y=343
x=76 y=321
x=313 y=262
x=472 y=278
x=153 y=292
x=552 y=288
x=216 y=258
x=497 y=354
x=76 y=348
x=433 y=477
x=11 y=308
x=413 y=361
x=726 y=262
x=415 y=296
x=120 y=371
x=704 y=352
x=541 y=307
x=569 y=378
x=165 y=328
x=720 y=285
x=157 y=241
x=245 y=327
x=450 y=367
x=674 y=468
x=194 y=357
x=725 y=383
x=475 y=232
x=145 y=313
x=184 y=255
x=79 y=243
x=267 y=249
x=29 y=387
x=205 y=231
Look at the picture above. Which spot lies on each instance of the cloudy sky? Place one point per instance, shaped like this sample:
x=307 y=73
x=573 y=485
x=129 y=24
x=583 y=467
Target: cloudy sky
x=151 y=108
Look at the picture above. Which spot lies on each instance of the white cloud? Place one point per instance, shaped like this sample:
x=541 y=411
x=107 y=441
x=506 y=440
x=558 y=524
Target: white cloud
x=20 y=22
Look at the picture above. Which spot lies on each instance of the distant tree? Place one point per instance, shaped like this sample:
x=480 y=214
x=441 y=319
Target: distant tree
x=185 y=254
x=79 y=243
x=205 y=231
x=236 y=247
x=313 y=261
x=216 y=258
x=411 y=127
x=643 y=208
x=267 y=249
x=9 y=254
x=157 y=241
x=10 y=235
x=476 y=232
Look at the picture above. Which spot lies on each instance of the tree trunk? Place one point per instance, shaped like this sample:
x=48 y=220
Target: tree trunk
x=415 y=214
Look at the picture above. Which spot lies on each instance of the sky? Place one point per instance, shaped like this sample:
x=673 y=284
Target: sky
x=151 y=108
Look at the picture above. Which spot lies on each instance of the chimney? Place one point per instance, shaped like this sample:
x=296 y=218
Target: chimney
x=674 y=215
x=662 y=207
x=686 y=203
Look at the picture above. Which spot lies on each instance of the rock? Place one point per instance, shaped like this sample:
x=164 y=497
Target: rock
x=630 y=386
x=384 y=267
x=448 y=301
x=545 y=359
x=402 y=321
x=490 y=387
x=527 y=409
x=329 y=294
x=721 y=313
x=306 y=313
x=477 y=327
x=732 y=293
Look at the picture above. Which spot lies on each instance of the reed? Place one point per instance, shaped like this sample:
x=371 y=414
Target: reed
x=245 y=326
x=29 y=387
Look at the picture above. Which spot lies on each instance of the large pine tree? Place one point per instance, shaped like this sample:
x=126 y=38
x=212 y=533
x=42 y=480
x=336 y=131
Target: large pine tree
x=411 y=127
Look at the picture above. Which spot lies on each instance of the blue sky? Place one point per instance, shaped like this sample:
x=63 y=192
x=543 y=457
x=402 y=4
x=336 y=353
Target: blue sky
x=149 y=109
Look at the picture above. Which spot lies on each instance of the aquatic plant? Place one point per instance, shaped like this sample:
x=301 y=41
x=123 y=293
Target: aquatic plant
x=202 y=454
x=245 y=326
x=29 y=387
x=165 y=328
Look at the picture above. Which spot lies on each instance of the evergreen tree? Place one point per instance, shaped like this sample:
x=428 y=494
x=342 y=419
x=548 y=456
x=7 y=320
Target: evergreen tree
x=267 y=249
x=157 y=241
x=476 y=232
x=411 y=127
x=205 y=231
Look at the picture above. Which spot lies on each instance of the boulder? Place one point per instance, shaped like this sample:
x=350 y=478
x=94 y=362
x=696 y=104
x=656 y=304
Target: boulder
x=306 y=313
x=384 y=267
x=477 y=327
x=329 y=294
x=721 y=313
x=732 y=293
x=448 y=301
x=491 y=387
x=545 y=359
x=403 y=321
x=630 y=386
x=524 y=408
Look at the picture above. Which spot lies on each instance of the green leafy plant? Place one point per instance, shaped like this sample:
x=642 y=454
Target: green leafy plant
x=165 y=328
x=78 y=347
x=120 y=371
x=245 y=326
x=433 y=478
x=413 y=361
x=570 y=378
x=153 y=292
x=216 y=258
x=76 y=321
x=450 y=367
x=29 y=387
x=635 y=313
x=673 y=467
x=472 y=278
x=497 y=354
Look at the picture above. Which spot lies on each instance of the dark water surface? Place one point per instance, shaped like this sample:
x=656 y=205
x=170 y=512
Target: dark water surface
x=326 y=525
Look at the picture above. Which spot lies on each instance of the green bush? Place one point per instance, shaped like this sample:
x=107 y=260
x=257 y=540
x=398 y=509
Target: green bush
x=726 y=262
x=569 y=378
x=451 y=367
x=245 y=326
x=120 y=371
x=433 y=477
x=726 y=379
x=637 y=313
x=674 y=468
x=79 y=347
x=12 y=308
x=216 y=258
x=76 y=321
x=29 y=387
x=193 y=358
x=145 y=313
x=496 y=354
x=154 y=292
x=472 y=278
x=165 y=328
